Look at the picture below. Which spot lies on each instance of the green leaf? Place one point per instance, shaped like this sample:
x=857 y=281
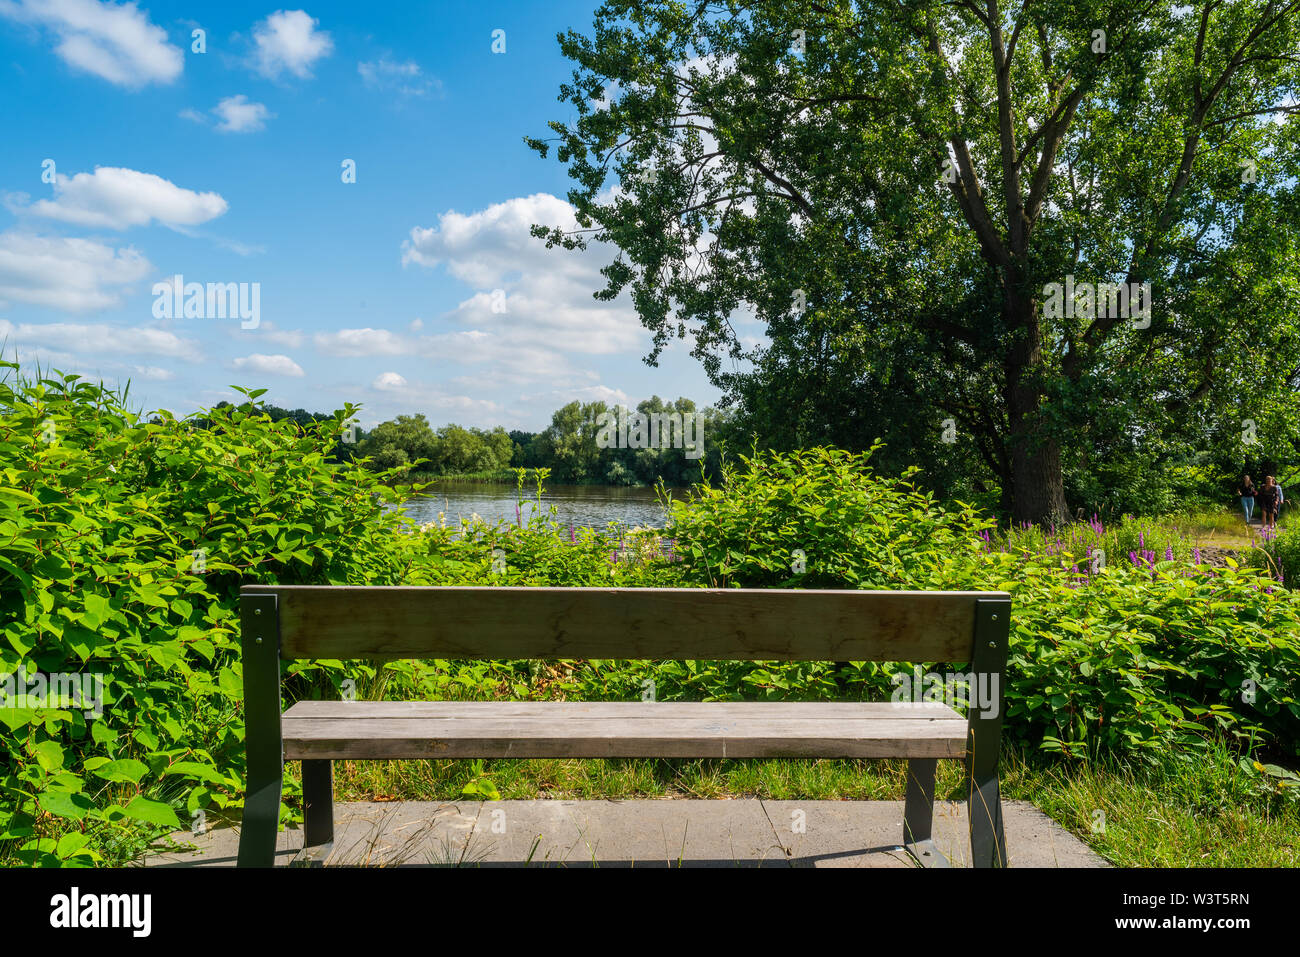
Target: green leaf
x=124 y=770
x=97 y=609
x=483 y=788
x=69 y=844
x=101 y=733
x=66 y=804
x=15 y=718
x=152 y=812
x=49 y=755
x=193 y=769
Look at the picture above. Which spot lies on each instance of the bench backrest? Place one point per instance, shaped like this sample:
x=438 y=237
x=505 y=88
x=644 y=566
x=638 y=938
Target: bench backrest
x=310 y=621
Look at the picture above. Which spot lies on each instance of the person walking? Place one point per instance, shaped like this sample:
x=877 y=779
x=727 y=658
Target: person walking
x=1267 y=497
x=1246 y=489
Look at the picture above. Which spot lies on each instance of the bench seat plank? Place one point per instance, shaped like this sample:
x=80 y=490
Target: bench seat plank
x=384 y=730
x=616 y=709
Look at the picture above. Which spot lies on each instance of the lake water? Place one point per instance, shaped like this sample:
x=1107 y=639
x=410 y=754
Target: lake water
x=592 y=506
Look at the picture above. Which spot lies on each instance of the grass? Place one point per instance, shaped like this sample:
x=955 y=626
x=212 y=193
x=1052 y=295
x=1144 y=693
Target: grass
x=1195 y=811
x=1182 y=531
x=1222 y=528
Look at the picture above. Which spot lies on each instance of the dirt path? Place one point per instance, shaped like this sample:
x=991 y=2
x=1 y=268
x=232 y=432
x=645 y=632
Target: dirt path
x=1217 y=544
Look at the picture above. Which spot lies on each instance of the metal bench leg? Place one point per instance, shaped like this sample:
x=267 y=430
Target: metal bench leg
x=261 y=821
x=260 y=640
x=318 y=813
x=988 y=845
x=918 y=813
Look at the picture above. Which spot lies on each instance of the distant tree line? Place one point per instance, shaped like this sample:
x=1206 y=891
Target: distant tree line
x=582 y=445
x=450 y=450
x=568 y=447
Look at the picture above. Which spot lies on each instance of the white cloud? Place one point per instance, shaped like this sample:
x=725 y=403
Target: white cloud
x=546 y=293
x=269 y=365
x=238 y=248
x=397 y=395
x=403 y=79
x=293 y=338
x=69 y=274
x=114 y=41
x=153 y=373
x=89 y=341
x=556 y=398
x=361 y=342
x=482 y=248
x=115 y=198
x=288 y=40
x=510 y=360
x=238 y=114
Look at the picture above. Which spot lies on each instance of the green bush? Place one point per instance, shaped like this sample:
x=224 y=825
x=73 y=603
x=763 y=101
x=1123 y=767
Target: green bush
x=1280 y=554
x=819 y=519
x=123 y=543
x=122 y=547
x=1130 y=659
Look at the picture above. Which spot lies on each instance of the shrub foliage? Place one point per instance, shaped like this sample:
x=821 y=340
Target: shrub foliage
x=123 y=543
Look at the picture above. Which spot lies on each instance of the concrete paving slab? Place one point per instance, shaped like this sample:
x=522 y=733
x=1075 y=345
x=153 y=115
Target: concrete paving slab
x=745 y=832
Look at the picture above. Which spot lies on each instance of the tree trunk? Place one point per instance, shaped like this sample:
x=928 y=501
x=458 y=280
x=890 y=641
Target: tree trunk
x=1038 y=484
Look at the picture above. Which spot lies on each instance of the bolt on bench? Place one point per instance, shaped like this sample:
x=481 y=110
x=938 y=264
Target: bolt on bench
x=287 y=622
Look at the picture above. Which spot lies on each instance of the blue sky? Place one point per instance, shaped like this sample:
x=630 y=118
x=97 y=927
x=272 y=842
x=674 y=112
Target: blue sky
x=415 y=288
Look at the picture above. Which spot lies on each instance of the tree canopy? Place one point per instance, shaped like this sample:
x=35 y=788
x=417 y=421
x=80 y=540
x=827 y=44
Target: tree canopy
x=889 y=190
x=451 y=449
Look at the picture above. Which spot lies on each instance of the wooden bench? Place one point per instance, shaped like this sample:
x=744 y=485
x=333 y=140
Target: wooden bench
x=287 y=623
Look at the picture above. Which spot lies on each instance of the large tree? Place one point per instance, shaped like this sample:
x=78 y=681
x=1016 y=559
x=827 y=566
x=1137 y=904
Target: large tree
x=888 y=188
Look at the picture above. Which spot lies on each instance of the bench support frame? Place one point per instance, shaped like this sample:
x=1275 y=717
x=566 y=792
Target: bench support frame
x=918 y=814
x=988 y=844
x=983 y=747
x=317 y=813
x=260 y=646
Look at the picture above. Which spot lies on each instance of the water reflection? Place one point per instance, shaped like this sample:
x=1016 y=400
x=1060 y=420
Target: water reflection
x=592 y=506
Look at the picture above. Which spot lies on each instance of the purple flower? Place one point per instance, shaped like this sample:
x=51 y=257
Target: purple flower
x=1169 y=553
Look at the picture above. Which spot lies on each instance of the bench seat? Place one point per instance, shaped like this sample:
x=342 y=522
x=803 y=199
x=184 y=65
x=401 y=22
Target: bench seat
x=358 y=730
x=438 y=623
